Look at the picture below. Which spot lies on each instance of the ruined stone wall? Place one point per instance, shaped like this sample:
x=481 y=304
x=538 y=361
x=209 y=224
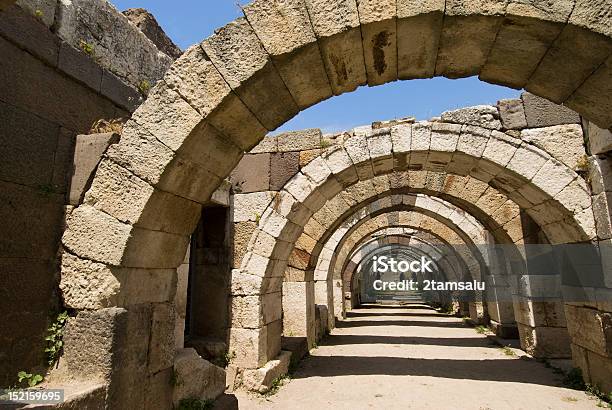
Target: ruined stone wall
x=61 y=69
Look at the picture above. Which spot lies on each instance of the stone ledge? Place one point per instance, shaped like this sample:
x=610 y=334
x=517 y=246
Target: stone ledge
x=261 y=380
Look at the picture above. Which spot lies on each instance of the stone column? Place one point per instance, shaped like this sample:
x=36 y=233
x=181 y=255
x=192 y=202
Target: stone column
x=255 y=335
x=324 y=295
x=539 y=313
x=299 y=310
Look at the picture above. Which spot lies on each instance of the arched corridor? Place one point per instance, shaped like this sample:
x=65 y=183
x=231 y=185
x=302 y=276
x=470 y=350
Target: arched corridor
x=201 y=254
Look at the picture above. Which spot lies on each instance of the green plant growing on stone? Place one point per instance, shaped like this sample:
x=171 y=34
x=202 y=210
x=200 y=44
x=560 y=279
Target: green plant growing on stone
x=87 y=48
x=507 y=350
x=257 y=217
x=582 y=164
x=29 y=378
x=325 y=143
x=605 y=400
x=224 y=360
x=276 y=385
x=195 y=404
x=143 y=87
x=55 y=338
x=38 y=13
x=481 y=329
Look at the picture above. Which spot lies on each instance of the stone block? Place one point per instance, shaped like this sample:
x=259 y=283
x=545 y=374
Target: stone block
x=287 y=35
x=268 y=144
x=33 y=221
x=242 y=235
x=251 y=206
x=29 y=147
x=299 y=310
x=541 y=112
x=557 y=80
x=249 y=347
x=467 y=37
x=300 y=140
x=261 y=380
x=553 y=177
x=252 y=174
x=283 y=166
x=484 y=116
x=63 y=161
x=89 y=339
x=120 y=92
x=545 y=342
x=87 y=155
x=196 y=377
x=512 y=114
x=27 y=83
x=161 y=344
x=241 y=59
x=256 y=310
x=600 y=369
x=159 y=390
x=95 y=235
x=339 y=38
x=307 y=156
x=135 y=59
x=198 y=81
x=527 y=161
x=590 y=328
x=564 y=142
x=80 y=66
x=600 y=141
x=601 y=212
x=522 y=41
x=418 y=32
x=379 y=34
x=20 y=25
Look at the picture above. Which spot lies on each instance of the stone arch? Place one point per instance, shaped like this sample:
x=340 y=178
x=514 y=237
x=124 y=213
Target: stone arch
x=219 y=99
x=467 y=228
x=427 y=243
x=390 y=213
x=329 y=174
x=425 y=149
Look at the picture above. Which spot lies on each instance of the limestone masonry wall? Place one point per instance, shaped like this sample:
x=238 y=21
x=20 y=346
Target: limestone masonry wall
x=61 y=70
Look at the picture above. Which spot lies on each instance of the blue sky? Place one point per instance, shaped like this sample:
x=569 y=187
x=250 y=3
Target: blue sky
x=190 y=21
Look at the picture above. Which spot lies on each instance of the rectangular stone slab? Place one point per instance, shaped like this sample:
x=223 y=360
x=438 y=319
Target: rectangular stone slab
x=336 y=25
x=239 y=56
x=379 y=32
x=286 y=34
x=419 y=26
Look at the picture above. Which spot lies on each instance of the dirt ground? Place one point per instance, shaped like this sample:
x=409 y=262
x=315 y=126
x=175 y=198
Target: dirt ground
x=415 y=358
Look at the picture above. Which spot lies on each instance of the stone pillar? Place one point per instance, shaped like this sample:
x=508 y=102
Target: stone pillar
x=500 y=307
x=324 y=295
x=180 y=301
x=299 y=310
x=255 y=336
x=541 y=324
x=476 y=309
x=591 y=337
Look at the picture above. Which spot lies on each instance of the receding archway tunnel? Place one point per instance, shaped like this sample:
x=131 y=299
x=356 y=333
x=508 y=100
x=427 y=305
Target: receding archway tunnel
x=220 y=99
